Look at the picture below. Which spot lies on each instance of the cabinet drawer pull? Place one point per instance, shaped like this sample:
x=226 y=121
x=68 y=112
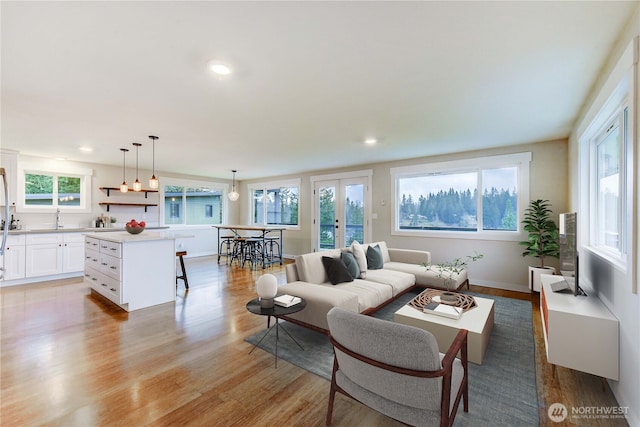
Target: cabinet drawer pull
x=112 y=289
x=103 y=284
x=104 y=263
x=113 y=267
x=113 y=249
x=87 y=275
x=94 y=279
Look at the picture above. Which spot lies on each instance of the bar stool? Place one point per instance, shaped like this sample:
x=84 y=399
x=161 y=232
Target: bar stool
x=180 y=254
x=272 y=250
x=238 y=250
x=226 y=247
x=252 y=251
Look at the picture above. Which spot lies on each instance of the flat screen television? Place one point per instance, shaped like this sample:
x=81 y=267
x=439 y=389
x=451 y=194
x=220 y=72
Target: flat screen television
x=569 y=257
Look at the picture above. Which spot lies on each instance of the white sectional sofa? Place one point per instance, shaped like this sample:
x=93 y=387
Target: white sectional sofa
x=402 y=270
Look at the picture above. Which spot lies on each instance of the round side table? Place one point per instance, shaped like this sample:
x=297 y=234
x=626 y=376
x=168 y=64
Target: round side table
x=276 y=311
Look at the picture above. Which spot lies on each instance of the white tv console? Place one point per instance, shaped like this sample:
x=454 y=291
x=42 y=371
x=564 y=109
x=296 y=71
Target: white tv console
x=579 y=331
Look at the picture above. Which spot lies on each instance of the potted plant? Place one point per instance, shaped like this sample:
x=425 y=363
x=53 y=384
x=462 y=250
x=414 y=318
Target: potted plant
x=449 y=271
x=542 y=241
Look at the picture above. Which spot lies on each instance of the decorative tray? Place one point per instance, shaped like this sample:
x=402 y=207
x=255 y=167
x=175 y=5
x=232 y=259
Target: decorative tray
x=465 y=301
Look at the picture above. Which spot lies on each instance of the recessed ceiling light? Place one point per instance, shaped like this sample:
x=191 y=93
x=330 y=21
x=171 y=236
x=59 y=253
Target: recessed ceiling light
x=219 y=68
x=61 y=159
x=370 y=141
x=85 y=149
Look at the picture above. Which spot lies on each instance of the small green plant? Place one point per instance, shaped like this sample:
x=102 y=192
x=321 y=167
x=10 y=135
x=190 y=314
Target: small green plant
x=112 y=220
x=543 y=236
x=449 y=271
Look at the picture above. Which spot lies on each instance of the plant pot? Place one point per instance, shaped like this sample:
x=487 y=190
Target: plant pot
x=534 y=276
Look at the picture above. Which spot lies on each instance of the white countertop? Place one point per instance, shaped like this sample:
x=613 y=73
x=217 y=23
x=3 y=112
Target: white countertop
x=77 y=230
x=146 y=235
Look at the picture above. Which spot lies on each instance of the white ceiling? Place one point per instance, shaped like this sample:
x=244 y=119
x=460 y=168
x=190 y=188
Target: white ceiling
x=311 y=80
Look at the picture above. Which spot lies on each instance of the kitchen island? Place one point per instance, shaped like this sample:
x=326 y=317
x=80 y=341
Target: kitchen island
x=133 y=271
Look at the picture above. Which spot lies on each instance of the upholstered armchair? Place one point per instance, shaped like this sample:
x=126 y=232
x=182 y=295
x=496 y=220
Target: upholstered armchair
x=397 y=369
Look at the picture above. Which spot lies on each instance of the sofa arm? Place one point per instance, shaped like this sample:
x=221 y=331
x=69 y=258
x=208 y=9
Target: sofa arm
x=291 y=272
x=410 y=256
x=320 y=299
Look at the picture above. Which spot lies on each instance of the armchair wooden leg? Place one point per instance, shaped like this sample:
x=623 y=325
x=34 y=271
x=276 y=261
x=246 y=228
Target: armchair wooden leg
x=332 y=391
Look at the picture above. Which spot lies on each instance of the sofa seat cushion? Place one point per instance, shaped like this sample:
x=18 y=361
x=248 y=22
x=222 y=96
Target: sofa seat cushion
x=370 y=294
x=399 y=281
x=319 y=301
x=426 y=277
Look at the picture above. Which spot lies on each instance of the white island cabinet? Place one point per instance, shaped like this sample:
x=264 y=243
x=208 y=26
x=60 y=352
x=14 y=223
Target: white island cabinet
x=133 y=271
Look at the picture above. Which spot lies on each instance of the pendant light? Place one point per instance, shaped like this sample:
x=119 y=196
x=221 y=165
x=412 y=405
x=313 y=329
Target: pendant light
x=153 y=181
x=233 y=194
x=124 y=187
x=137 y=185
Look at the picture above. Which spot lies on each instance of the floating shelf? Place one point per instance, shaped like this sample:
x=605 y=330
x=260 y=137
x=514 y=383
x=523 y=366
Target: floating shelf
x=109 y=189
x=145 y=205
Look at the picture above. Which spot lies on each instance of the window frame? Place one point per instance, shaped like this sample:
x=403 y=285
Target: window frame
x=616 y=109
x=519 y=160
x=265 y=187
x=46 y=167
x=188 y=183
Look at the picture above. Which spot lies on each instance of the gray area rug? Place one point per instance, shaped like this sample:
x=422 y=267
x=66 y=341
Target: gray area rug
x=502 y=391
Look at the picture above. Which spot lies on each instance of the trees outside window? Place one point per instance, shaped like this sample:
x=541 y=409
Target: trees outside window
x=275 y=204
x=479 y=196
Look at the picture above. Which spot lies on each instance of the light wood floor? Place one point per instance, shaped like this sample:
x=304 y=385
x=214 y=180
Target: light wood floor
x=68 y=358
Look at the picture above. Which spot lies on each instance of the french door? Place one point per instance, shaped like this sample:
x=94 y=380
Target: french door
x=340 y=212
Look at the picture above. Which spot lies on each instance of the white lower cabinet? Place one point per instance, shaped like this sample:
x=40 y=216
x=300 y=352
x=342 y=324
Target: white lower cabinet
x=44 y=254
x=14 y=257
x=49 y=254
x=72 y=252
x=40 y=255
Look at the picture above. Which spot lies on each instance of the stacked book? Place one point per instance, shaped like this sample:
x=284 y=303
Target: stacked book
x=286 y=300
x=444 y=310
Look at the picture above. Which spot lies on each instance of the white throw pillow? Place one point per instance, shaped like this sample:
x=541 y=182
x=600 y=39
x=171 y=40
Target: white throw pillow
x=361 y=257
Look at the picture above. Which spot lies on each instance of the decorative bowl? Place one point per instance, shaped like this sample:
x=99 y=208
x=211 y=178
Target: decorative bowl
x=134 y=230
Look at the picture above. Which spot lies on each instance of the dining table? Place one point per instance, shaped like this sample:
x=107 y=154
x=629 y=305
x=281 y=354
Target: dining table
x=261 y=232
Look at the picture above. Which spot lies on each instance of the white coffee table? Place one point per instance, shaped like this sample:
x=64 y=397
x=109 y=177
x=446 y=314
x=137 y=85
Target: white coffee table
x=478 y=321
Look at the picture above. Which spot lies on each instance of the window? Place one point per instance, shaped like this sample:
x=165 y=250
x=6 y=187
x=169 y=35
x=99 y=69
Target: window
x=475 y=197
x=608 y=204
x=275 y=203
x=43 y=188
x=189 y=204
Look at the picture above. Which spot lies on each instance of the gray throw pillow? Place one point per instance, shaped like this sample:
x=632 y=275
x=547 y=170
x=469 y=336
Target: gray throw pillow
x=374 y=258
x=336 y=270
x=351 y=263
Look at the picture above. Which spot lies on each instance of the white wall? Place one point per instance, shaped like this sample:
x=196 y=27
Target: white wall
x=203 y=241
x=502 y=265
x=612 y=284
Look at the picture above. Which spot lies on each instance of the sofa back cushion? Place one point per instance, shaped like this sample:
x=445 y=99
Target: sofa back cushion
x=310 y=268
x=360 y=254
